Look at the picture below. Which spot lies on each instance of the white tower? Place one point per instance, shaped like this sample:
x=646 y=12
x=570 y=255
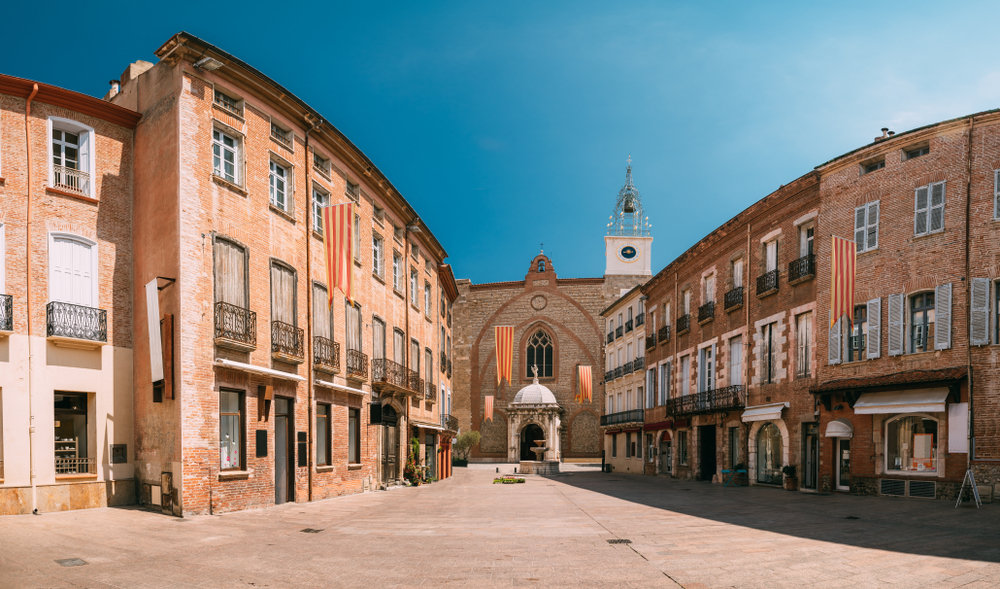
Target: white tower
x=628 y=244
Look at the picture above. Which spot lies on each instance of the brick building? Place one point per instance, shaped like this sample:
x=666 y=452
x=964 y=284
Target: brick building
x=66 y=337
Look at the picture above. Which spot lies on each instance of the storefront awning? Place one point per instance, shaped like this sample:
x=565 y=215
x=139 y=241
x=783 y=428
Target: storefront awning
x=423 y=425
x=257 y=369
x=338 y=387
x=920 y=400
x=839 y=428
x=764 y=412
x=649 y=427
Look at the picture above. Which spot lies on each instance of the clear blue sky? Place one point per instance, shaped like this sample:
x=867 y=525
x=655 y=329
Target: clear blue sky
x=507 y=124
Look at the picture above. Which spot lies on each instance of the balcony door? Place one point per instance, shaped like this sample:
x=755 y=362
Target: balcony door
x=73 y=270
x=282 y=294
x=230 y=274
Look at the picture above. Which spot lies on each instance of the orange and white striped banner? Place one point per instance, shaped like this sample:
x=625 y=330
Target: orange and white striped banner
x=488 y=413
x=842 y=267
x=586 y=393
x=338 y=243
x=505 y=352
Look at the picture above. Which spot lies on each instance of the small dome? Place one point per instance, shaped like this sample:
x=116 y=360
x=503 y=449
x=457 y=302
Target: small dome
x=535 y=394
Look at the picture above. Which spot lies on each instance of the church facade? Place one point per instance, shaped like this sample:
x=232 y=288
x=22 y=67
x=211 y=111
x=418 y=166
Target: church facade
x=557 y=327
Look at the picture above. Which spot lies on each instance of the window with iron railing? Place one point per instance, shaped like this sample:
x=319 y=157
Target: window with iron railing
x=767 y=283
x=734 y=299
x=229 y=104
x=683 y=324
x=282 y=136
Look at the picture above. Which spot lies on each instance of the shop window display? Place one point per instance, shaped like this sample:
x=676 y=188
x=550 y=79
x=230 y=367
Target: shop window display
x=769 y=455
x=911 y=444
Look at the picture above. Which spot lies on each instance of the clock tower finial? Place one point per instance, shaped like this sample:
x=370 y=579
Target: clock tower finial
x=628 y=241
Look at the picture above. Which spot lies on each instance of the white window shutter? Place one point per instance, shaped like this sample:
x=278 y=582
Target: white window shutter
x=86 y=148
x=874 y=343
x=872 y=226
x=711 y=372
x=979 y=318
x=942 y=319
x=834 y=349
x=920 y=206
x=860 y=225
x=936 y=222
x=895 y=325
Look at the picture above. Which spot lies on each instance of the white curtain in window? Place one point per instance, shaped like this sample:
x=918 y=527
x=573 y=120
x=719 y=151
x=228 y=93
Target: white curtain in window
x=736 y=360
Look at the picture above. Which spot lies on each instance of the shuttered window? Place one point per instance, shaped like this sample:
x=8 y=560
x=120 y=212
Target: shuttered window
x=706 y=370
x=685 y=375
x=282 y=294
x=353 y=326
x=922 y=320
x=736 y=360
x=230 y=274
x=738 y=273
x=833 y=347
x=428 y=364
x=803 y=341
x=895 y=314
x=857 y=335
x=980 y=314
x=771 y=255
x=929 y=209
x=73 y=271
x=942 y=304
x=768 y=354
x=322 y=313
x=398 y=347
x=874 y=339
x=866 y=226
x=415 y=356
x=378 y=338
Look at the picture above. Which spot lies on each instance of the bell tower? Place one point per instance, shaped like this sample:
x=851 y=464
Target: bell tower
x=628 y=244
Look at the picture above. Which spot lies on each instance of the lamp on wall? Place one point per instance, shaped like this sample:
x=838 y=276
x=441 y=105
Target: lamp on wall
x=208 y=64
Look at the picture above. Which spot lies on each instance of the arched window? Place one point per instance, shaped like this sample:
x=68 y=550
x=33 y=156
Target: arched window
x=911 y=443
x=539 y=353
x=541 y=265
x=769 y=455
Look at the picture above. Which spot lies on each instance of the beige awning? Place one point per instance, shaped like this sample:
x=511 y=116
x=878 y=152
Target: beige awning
x=764 y=412
x=257 y=369
x=920 y=400
x=839 y=428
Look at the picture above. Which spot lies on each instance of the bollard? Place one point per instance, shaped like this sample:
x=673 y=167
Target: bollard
x=515 y=470
x=498 y=470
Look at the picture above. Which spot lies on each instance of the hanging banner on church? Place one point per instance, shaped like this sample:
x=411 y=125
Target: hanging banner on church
x=505 y=352
x=489 y=407
x=585 y=388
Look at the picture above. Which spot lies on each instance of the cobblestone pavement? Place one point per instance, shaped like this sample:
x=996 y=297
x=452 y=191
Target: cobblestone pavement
x=548 y=532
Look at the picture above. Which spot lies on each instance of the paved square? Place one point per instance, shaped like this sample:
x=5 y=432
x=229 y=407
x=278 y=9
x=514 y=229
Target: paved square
x=548 y=532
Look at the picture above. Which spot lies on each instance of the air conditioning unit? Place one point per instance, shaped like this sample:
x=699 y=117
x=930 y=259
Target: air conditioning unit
x=901 y=488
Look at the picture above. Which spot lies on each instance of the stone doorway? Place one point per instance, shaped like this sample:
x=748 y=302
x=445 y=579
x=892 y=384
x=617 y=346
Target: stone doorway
x=529 y=434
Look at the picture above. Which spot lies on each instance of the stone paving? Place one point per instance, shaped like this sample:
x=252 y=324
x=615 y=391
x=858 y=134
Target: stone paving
x=548 y=532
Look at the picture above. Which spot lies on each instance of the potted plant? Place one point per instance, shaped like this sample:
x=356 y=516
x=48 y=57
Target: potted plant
x=791 y=480
x=463 y=446
x=414 y=471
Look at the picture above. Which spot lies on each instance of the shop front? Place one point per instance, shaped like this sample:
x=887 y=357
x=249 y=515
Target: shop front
x=768 y=443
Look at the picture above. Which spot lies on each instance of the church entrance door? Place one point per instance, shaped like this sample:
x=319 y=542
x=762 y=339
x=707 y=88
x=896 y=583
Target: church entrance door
x=529 y=434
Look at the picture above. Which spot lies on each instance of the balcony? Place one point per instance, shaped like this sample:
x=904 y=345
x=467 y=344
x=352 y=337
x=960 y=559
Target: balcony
x=628 y=326
x=390 y=377
x=287 y=343
x=326 y=355
x=618 y=372
x=664 y=334
x=802 y=269
x=706 y=313
x=71 y=180
x=733 y=299
x=650 y=341
x=609 y=376
x=430 y=392
x=628 y=368
x=357 y=365
x=76 y=326
x=618 y=332
x=724 y=399
x=639 y=363
x=235 y=327
x=767 y=283
x=611 y=336
x=683 y=324
x=6 y=315
x=640 y=319
x=449 y=422
x=415 y=383
x=622 y=417
x=74 y=466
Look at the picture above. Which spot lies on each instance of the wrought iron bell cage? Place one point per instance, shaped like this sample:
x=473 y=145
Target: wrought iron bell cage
x=628 y=219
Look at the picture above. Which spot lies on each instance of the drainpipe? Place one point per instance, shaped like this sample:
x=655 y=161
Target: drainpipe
x=309 y=312
x=970 y=438
x=27 y=255
x=748 y=346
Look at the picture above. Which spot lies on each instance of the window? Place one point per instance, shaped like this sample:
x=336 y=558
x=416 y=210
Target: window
x=354 y=435
x=806 y=241
x=72 y=445
x=228 y=104
x=858 y=334
x=73 y=270
x=427 y=299
x=685 y=375
x=321 y=199
x=769 y=455
x=771 y=256
x=443 y=304
x=768 y=354
x=414 y=281
x=378 y=214
x=429 y=366
x=231 y=430
x=397 y=272
x=357 y=238
x=281 y=135
x=398 y=347
x=614 y=445
x=911 y=444
x=321 y=164
x=230 y=273
x=734 y=447
x=378 y=338
x=415 y=356
x=909 y=154
x=352 y=191
x=629 y=445
x=397 y=233
x=415 y=252
x=611 y=403
x=322 y=313
x=664 y=382
x=866 y=226
x=666 y=314
x=707 y=289
x=639 y=400
x=682 y=448
x=649 y=447
x=377 y=248
x=620 y=322
x=803 y=343
x=929 y=209
x=323 y=438
x=70 y=150
x=922 y=322
x=737 y=272
x=870 y=167
x=629 y=314
x=283 y=294
x=736 y=360
x=278 y=186
x=539 y=353
x=353 y=327
x=687 y=301
x=225 y=150
x=706 y=372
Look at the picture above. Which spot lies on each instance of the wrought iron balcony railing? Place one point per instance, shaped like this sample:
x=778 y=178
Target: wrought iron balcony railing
x=802 y=269
x=357 y=364
x=287 y=342
x=734 y=299
x=630 y=416
x=449 y=367
x=618 y=372
x=628 y=326
x=650 y=341
x=618 y=332
x=6 y=312
x=609 y=376
x=640 y=319
x=76 y=321
x=611 y=336
x=767 y=283
x=326 y=354
x=449 y=422
x=387 y=372
x=664 y=334
x=683 y=324
x=706 y=312
x=431 y=392
x=639 y=363
x=627 y=368
x=724 y=399
x=66 y=466
x=71 y=180
x=415 y=383
x=281 y=136
x=235 y=326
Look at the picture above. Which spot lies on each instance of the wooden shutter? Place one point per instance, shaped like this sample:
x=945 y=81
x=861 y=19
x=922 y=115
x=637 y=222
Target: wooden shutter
x=942 y=319
x=378 y=339
x=874 y=329
x=979 y=317
x=230 y=274
x=282 y=294
x=738 y=273
x=84 y=162
x=873 y=212
x=353 y=326
x=415 y=356
x=896 y=325
x=920 y=211
x=860 y=224
x=398 y=352
x=937 y=207
x=71 y=272
x=834 y=347
x=668 y=381
x=322 y=326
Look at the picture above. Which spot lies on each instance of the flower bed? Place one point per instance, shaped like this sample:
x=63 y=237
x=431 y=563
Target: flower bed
x=507 y=480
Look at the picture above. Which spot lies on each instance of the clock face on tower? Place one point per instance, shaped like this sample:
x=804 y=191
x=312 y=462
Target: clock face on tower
x=628 y=253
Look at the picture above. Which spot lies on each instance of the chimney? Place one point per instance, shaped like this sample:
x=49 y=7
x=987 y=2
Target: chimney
x=891 y=133
x=115 y=86
x=885 y=134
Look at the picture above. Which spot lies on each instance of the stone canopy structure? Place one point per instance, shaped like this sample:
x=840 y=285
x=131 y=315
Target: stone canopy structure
x=534 y=415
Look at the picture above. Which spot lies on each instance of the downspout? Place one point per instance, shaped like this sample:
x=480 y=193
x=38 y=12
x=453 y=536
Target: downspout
x=970 y=438
x=406 y=342
x=749 y=342
x=27 y=255
x=309 y=311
